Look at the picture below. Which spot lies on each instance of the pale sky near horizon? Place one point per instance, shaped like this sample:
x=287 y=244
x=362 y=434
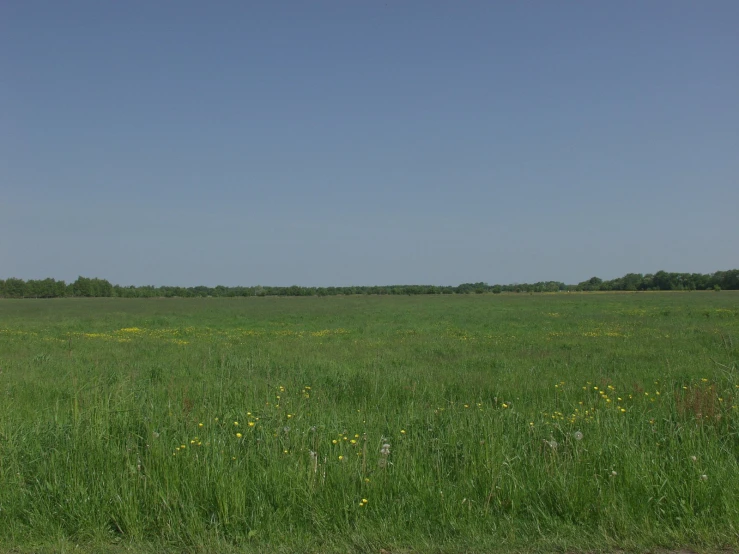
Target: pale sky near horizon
x=360 y=143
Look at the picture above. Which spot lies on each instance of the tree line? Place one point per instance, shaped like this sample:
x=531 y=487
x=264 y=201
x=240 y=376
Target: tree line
x=93 y=287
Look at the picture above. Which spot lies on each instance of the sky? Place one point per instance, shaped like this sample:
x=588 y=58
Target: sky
x=330 y=143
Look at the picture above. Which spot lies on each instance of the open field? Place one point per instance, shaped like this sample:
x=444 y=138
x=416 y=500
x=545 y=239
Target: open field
x=431 y=423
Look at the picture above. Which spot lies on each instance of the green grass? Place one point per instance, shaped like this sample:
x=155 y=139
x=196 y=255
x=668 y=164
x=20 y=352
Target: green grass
x=117 y=423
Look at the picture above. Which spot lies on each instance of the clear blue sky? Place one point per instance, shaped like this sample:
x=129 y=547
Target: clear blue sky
x=373 y=142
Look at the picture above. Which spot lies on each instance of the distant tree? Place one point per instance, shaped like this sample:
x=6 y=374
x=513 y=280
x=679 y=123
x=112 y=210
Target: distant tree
x=632 y=281
x=729 y=279
x=101 y=288
x=60 y=289
x=82 y=287
x=663 y=280
x=86 y=287
x=15 y=288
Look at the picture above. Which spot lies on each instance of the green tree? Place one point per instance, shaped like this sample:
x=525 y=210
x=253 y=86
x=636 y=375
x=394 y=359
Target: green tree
x=15 y=288
x=82 y=287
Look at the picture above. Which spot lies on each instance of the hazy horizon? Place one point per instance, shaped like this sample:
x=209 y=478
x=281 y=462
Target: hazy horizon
x=233 y=285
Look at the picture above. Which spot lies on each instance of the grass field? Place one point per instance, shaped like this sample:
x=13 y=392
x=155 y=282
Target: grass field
x=435 y=424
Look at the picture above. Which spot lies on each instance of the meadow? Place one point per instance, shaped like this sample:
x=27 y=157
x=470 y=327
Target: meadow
x=466 y=423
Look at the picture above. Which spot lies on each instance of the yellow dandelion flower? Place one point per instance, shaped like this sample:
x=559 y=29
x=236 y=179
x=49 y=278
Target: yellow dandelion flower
x=341 y=457
x=251 y=424
x=239 y=435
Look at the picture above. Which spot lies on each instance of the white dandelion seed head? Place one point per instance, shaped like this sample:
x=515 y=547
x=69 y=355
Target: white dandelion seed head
x=577 y=435
x=704 y=477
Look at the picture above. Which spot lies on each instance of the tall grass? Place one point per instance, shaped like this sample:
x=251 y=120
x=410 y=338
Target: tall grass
x=569 y=422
